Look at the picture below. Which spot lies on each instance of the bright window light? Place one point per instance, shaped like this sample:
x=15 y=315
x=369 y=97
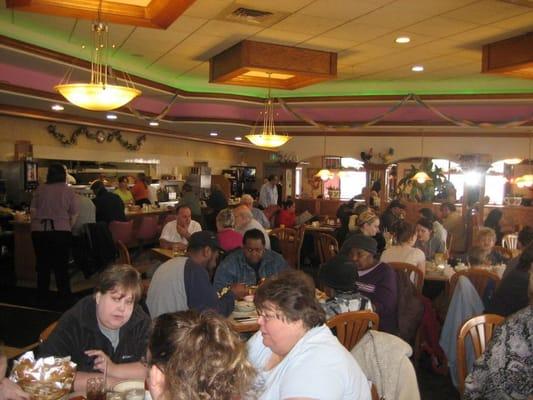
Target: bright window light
x=352 y=183
x=472 y=178
x=298 y=182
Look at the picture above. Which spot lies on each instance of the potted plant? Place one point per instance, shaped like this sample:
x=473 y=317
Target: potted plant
x=423 y=192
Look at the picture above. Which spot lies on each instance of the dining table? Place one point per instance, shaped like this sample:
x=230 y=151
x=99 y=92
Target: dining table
x=165 y=254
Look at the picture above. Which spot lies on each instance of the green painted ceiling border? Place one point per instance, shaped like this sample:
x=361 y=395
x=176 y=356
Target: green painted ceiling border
x=56 y=41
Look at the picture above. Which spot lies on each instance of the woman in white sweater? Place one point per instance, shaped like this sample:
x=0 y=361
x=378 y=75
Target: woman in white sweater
x=404 y=251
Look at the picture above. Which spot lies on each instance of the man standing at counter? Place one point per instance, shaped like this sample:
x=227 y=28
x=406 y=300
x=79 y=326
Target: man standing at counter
x=178 y=232
x=109 y=206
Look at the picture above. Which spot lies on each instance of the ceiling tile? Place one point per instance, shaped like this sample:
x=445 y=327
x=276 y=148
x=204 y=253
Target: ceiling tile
x=523 y=21
x=388 y=40
x=281 y=37
x=278 y=5
x=206 y=8
x=225 y=29
x=441 y=27
x=306 y=24
x=52 y=24
x=392 y=17
x=361 y=54
x=356 y=31
x=186 y=24
x=327 y=44
x=479 y=36
x=339 y=9
x=486 y=11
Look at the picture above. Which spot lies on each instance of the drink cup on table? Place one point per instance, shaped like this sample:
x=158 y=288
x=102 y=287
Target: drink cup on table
x=175 y=249
x=96 y=389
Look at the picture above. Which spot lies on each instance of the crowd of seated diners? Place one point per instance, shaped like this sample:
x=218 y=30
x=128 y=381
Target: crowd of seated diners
x=179 y=335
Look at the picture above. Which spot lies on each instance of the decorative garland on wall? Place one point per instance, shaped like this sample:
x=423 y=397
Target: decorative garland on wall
x=99 y=136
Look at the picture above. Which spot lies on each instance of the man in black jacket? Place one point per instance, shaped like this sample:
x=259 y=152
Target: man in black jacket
x=109 y=207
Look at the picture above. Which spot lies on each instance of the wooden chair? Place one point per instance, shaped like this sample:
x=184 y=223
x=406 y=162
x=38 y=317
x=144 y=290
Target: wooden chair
x=351 y=326
x=449 y=242
x=301 y=234
x=47 y=331
x=480 y=330
x=123 y=253
x=288 y=243
x=327 y=247
x=415 y=274
x=504 y=251
x=479 y=278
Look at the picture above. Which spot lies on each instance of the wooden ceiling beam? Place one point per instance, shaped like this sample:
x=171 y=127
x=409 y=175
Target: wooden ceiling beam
x=158 y=14
x=511 y=57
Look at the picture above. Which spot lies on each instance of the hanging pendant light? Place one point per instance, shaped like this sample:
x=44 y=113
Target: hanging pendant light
x=324 y=174
x=421 y=177
x=526 y=181
x=268 y=136
x=98 y=95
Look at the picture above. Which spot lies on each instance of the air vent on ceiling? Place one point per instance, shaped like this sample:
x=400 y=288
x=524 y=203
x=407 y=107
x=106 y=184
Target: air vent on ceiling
x=251 y=16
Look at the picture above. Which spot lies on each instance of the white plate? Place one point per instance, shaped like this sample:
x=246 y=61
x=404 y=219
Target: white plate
x=124 y=386
x=243 y=314
x=244 y=306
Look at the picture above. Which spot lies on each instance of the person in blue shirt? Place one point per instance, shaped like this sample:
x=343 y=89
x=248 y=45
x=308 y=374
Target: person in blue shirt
x=250 y=264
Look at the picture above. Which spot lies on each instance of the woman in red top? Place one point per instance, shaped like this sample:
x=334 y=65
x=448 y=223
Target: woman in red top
x=140 y=191
x=287 y=215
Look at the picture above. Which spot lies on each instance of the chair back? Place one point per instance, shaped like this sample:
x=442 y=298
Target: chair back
x=123 y=253
x=351 y=326
x=414 y=273
x=288 y=243
x=301 y=234
x=478 y=277
x=504 y=251
x=510 y=241
x=148 y=229
x=122 y=231
x=168 y=218
x=47 y=331
x=480 y=330
x=328 y=247
x=449 y=242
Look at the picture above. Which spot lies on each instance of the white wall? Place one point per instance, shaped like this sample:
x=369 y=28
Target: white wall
x=405 y=147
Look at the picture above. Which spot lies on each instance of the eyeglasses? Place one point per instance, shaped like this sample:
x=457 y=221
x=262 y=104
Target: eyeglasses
x=268 y=316
x=252 y=250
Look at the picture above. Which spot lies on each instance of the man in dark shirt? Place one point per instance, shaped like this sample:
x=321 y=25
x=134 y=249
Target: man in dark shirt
x=392 y=215
x=183 y=283
x=109 y=207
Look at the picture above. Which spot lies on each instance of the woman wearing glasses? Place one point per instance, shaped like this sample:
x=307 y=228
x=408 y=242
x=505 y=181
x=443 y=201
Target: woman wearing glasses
x=296 y=356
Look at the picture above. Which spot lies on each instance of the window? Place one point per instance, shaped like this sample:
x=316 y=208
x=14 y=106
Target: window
x=351 y=180
x=298 y=182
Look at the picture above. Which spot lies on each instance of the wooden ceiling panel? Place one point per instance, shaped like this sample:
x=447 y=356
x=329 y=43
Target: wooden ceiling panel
x=207 y=8
x=156 y=14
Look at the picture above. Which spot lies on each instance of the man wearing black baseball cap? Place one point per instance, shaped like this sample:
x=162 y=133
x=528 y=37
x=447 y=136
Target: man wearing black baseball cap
x=182 y=283
x=376 y=280
x=339 y=276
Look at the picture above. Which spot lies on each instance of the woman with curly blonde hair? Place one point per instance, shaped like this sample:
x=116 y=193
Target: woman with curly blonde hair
x=197 y=357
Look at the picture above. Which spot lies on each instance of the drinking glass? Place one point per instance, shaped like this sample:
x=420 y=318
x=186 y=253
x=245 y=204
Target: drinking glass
x=95 y=389
x=439 y=259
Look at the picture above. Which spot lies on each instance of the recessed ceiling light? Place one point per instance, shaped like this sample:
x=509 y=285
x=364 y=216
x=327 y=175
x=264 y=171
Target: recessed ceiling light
x=213 y=134
x=403 y=39
x=154 y=123
x=417 y=68
x=58 y=107
x=111 y=116
x=238 y=138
